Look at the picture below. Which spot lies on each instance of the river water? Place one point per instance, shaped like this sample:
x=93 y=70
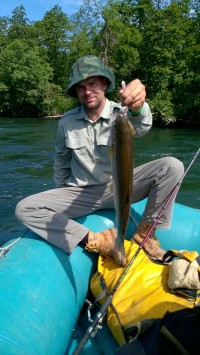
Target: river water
x=27 y=149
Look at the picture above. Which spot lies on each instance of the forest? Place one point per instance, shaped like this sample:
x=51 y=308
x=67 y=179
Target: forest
x=157 y=41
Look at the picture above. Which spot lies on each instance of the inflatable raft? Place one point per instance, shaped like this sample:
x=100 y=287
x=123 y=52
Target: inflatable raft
x=43 y=290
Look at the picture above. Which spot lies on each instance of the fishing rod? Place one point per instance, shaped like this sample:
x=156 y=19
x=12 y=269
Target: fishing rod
x=97 y=323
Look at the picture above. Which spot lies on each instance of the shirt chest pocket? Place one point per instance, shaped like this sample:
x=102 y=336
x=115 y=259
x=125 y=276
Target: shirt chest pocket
x=75 y=141
x=104 y=145
x=77 y=144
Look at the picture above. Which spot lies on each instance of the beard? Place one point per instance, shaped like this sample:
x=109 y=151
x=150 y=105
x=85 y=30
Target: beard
x=92 y=102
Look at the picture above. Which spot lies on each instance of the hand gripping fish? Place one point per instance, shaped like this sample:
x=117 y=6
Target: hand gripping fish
x=122 y=176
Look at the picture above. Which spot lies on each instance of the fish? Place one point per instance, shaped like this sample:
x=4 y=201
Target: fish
x=122 y=133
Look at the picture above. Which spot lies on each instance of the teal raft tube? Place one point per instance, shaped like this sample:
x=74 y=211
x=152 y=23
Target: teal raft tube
x=42 y=289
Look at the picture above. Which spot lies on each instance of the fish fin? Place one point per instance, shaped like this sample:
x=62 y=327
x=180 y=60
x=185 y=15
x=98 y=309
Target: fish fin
x=131 y=128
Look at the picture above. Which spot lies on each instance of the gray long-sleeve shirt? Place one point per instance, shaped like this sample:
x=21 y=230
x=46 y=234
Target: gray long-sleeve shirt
x=82 y=146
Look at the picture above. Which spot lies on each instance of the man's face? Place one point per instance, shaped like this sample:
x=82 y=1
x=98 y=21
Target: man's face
x=90 y=92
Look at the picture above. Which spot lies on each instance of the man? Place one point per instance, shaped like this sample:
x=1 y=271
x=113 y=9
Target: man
x=82 y=168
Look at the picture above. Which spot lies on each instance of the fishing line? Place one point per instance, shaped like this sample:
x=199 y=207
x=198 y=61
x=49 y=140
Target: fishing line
x=92 y=330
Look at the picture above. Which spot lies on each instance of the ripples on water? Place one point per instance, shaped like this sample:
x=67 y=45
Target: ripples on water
x=27 y=148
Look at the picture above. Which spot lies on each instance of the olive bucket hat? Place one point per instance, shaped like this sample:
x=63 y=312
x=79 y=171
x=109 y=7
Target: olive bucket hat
x=86 y=67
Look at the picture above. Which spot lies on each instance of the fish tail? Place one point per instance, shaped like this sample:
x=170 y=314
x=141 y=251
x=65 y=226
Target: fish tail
x=119 y=254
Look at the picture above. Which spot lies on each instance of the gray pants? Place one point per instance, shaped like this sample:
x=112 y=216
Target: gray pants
x=50 y=214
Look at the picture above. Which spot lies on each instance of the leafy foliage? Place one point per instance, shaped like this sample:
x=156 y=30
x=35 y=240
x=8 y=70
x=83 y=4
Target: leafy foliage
x=24 y=79
x=155 y=40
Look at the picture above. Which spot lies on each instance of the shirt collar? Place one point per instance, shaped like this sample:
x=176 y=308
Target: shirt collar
x=105 y=113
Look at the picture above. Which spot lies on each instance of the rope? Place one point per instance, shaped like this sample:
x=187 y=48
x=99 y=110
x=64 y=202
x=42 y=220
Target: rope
x=4 y=250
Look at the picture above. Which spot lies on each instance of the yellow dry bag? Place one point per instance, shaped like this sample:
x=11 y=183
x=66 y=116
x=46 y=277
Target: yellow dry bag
x=143 y=293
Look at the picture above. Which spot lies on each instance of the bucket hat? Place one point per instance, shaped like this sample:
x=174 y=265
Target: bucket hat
x=86 y=67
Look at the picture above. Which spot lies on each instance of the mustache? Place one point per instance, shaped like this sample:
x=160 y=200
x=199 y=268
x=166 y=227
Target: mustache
x=89 y=96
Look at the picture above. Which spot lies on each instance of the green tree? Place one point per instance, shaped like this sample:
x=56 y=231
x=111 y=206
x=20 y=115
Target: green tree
x=4 y=25
x=155 y=40
x=18 y=24
x=161 y=52
x=84 y=26
x=24 y=80
x=119 y=41
x=186 y=88
x=166 y=53
x=53 y=36
x=101 y=30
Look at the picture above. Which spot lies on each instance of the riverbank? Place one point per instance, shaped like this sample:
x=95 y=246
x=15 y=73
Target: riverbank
x=179 y=123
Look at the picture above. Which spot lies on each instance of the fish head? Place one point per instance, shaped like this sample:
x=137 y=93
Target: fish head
x=121 y=124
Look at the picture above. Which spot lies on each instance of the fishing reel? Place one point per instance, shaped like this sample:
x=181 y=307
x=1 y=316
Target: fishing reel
x=92 y=314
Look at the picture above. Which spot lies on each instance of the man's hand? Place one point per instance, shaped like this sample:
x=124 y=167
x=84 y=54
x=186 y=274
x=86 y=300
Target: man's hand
x=133 y=95
x=104 y=244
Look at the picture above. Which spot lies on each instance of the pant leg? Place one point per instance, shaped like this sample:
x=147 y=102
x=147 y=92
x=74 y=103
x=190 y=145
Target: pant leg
x=155 y=180
x=50 y=214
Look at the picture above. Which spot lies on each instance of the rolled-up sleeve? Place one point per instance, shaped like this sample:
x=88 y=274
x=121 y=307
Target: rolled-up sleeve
x=143 y=121
x=62 y=158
